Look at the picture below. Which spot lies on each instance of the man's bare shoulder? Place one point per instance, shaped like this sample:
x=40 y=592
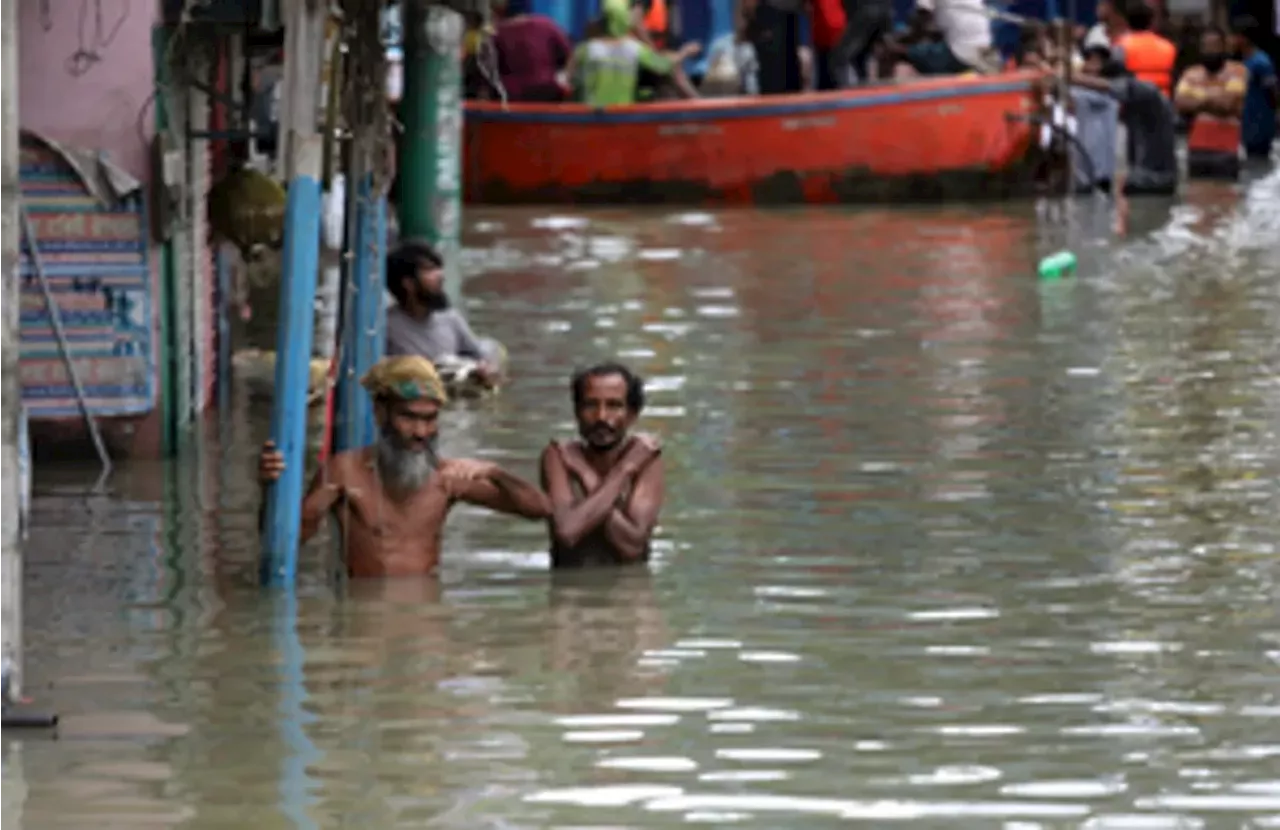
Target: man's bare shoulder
x=445 y=465
x=565 y=449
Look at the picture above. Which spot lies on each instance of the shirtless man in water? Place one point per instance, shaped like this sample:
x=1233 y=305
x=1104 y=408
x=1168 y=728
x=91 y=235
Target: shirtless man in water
x=391 y=499
x=605 y=489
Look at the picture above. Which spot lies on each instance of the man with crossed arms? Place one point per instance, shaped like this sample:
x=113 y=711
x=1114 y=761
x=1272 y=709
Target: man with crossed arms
x=606 y=488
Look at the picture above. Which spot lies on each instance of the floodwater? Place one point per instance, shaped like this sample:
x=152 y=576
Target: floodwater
x=945 y=546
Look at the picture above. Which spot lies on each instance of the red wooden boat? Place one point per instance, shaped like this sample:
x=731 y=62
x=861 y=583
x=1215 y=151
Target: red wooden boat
x=938 y=138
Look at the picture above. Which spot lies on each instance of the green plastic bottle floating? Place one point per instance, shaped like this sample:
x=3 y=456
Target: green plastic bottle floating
x=1055 y=266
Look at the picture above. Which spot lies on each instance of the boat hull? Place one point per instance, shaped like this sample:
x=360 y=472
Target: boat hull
x=929 y=140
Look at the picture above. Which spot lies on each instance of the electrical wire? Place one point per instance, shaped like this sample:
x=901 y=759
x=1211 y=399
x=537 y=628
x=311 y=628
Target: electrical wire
x=88 y=53
x=487 y=63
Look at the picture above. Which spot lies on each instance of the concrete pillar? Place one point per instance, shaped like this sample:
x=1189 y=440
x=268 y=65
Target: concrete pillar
x=431 y=144
x=10 y=383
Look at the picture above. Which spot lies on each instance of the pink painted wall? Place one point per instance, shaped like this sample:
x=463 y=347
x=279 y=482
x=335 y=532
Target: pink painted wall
x=100 y=108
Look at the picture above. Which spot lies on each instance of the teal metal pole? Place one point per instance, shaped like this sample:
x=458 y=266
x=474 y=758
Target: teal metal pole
x=365 y=334
x=304 y=152
x=431 y=144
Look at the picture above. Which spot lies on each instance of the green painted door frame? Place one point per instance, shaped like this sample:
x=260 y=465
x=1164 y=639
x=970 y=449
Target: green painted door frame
x=170 y=350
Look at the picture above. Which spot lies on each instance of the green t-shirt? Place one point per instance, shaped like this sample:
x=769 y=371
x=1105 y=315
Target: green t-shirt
x=608 y=67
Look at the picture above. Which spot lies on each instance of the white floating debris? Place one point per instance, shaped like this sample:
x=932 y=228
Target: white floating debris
x=652 y=764
x=660 y=254
x=951 y=614
x=559 y=223
x=768 y=754
x=675 y=704
x=692 y=220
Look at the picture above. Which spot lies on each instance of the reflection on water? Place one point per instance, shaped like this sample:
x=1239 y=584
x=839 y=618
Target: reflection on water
x=943 y=545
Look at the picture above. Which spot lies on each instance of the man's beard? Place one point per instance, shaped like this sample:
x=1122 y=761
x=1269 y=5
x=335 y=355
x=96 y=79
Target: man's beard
x=433 y=300
x=602 y=438
x=405 y=468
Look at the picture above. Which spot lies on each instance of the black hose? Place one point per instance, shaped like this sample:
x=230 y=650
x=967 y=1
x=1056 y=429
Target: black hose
x=1041 y=121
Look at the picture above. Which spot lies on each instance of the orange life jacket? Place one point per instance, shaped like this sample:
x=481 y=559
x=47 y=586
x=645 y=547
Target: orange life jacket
x=655 y=23
x=1150 y=58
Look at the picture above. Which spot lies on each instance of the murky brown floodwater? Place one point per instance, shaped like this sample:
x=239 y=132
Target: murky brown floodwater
x=945 y=546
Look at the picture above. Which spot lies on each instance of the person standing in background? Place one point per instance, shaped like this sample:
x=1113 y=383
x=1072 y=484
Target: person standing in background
x=1262 y=96
x=1148 y=56
x=1097 y=113
x=866 y=23
x=1111 y=26
x=732 y=68
x=967 y=28
x=828 y=20
x=532 y=54
x=1149 y=121
x=652 y=22
x=775 y=33
x=605 y=68
x=1211 y=94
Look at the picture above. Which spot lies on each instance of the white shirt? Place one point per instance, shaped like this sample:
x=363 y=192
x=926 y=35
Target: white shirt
x=966 y=27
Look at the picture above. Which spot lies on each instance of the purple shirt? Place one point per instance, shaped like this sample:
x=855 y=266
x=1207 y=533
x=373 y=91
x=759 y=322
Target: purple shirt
x=531 y=50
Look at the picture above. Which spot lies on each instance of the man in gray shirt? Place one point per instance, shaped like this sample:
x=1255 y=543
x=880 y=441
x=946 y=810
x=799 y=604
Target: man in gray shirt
x=1148 y=118
x=423 y=322
x=1093 y=154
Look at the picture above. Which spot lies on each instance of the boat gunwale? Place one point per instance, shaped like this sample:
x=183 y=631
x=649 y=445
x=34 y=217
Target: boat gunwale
x=721 y=109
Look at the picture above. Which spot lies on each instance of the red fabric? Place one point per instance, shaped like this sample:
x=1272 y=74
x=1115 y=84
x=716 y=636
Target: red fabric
x=1214 y=135
x=828 y=23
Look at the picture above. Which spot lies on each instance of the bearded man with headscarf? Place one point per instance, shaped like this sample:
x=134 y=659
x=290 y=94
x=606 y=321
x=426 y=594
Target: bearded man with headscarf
x=391 y=499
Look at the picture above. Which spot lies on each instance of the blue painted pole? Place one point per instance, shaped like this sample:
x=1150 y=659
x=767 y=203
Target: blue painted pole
x=365 y=335
x=302 y=157
x=293 y=370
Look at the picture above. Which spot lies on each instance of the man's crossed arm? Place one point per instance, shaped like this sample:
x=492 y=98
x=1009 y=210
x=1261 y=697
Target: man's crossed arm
x=628 y=523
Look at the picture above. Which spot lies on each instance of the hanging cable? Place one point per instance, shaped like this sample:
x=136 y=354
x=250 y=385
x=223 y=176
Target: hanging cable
x=487 y=63
x=88 y=52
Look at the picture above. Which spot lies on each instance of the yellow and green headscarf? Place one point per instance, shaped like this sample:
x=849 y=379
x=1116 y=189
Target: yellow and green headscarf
x=407 y=378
